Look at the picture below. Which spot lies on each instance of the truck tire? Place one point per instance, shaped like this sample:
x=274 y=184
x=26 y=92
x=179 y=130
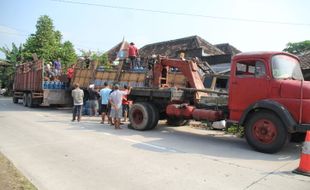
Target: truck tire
x=15 y=100
x=30 y=100
x=155 y=116
x=265 y=132
x=176 y=121
x=141 y=116
x=25 y=99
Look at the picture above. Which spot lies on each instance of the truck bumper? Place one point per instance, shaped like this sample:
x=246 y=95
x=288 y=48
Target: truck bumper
x=302 y=127
x=56 y=97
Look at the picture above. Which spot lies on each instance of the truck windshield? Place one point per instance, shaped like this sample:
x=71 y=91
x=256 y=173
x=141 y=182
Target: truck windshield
x=286 y=67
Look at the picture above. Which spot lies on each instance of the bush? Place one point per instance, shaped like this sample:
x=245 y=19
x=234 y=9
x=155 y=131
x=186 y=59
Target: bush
x=236 y=130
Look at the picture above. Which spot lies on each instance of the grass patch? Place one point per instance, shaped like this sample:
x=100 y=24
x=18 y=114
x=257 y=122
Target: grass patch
x=11 y=178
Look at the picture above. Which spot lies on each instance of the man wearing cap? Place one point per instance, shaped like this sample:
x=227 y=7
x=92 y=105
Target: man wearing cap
x=116 y=98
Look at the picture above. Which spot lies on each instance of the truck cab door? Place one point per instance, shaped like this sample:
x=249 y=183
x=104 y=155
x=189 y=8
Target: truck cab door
x=249 y=83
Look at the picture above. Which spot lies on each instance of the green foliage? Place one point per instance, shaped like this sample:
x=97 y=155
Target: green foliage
x=46 y=43
x=102 y=58
x=13 y=57
x=239 y=131
x=297 y=47
x=67 y=54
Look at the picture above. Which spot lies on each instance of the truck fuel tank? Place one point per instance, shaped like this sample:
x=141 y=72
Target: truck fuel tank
x=180 y=110
x=190 y=112
x=209 y=115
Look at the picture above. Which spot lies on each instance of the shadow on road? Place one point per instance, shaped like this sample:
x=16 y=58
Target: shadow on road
x=21 y=108
x=166 y=139
x=195 y=141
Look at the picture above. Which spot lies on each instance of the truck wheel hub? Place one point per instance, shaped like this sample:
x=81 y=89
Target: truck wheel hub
x=264 y=131
x=137 y=116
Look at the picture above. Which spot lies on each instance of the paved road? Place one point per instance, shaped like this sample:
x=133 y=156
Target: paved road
x=55 y=154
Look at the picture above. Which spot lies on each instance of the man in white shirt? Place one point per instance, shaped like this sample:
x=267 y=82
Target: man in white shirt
x=116 y=105
x=77 y=95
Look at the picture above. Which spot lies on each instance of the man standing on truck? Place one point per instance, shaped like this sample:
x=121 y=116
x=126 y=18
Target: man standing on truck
x=78 y=96
x=57 y=67
x=105 y=94
x=132 y=54
x=70 y=73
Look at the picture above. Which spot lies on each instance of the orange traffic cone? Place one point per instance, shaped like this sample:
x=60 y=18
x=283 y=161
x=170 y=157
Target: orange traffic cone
x=304 y=165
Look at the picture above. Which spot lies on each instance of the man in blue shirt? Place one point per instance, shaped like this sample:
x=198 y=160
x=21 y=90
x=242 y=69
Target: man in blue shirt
x=105 y=95
x=57 y=67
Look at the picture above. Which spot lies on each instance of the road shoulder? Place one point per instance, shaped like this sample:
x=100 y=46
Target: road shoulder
x=11 y=178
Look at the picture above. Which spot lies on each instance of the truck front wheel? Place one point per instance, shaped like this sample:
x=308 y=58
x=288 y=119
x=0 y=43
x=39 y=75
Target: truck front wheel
x=140 y=116
x=265 y=132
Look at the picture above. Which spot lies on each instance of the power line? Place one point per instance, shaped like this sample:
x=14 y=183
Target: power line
x=77 y=45
x=12 y=33
x=13 y=28
x=181 y=13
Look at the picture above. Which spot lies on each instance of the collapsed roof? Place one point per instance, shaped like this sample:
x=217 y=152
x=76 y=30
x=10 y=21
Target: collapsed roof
x=172 y=48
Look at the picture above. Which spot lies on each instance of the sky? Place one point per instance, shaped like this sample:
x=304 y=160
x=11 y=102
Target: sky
x=98 y=25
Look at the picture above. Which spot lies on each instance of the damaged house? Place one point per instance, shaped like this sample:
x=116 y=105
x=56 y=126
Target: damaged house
x=118 y=52
x=193 y=46
x=218 y=56
x=305 y=64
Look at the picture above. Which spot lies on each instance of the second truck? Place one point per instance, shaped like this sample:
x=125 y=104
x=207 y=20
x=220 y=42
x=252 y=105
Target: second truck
x=267 y=96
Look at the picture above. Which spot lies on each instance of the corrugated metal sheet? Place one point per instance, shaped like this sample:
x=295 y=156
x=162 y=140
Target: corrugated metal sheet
x=28 y=76
x=85 y=77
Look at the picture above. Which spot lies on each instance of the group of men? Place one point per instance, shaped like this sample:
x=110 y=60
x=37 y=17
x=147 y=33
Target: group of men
x=53 y=69
x=114 y=103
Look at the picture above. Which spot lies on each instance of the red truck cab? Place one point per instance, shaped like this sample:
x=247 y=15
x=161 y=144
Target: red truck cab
x=269 y=97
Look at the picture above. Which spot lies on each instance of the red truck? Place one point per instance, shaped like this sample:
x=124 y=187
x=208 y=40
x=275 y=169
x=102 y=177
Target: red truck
x=267 y=96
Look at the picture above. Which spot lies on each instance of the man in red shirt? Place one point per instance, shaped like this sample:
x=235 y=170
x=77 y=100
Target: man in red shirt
x=125 y=103
x=132 y=54
x=70 y=73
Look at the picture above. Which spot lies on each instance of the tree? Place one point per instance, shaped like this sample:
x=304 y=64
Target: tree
x=13 y=57
x=297 y=47
x=67 y=54
x=46 y=43
x=102 y=58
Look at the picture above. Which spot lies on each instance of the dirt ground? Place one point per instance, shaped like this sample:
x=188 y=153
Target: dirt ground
x=11 y=178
